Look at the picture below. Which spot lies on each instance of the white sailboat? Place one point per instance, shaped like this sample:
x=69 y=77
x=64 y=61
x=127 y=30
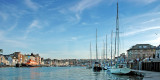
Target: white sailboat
x=118 y=68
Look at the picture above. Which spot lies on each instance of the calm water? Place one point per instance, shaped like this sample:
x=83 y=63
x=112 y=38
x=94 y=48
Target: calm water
x=59 y=73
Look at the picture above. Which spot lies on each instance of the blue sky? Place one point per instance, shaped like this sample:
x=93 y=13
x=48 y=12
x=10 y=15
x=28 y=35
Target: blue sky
x=64 y=28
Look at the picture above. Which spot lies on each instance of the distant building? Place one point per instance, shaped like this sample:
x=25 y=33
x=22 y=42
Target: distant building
x=47 y=62
x=141 y=51
x=8 y=59
x=158 y=52
x=122 y=58
x=2 y=60
x=18 y=56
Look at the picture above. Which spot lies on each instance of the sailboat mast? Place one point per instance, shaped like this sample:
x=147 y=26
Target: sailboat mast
x=90 y=53
x=96 y=47
x=111 y=46
x=106 y=47
x=103 y=51
x=117 y=31
x=115 y=45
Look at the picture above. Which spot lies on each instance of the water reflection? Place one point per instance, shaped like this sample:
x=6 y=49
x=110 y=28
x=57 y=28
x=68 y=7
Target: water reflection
x=33 y=73
x=60 y=73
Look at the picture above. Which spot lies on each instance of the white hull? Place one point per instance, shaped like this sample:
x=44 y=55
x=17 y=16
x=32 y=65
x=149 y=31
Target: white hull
x=120 y=70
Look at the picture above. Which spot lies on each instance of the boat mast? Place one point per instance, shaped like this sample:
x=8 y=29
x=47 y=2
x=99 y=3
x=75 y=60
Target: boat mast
x=117 y=32
x=115 y=47
x=103 y=52
x=106 y=47
x=111 y=46
x=96 y=47
x=90 y=54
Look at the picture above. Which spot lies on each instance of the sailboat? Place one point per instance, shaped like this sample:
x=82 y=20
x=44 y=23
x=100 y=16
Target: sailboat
x=106 y=67
x=90 y=63
x=97 y=65
x=118 y=68
x=109 y=67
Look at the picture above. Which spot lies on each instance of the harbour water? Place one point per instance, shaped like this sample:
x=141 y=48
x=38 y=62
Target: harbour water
x=59 y=73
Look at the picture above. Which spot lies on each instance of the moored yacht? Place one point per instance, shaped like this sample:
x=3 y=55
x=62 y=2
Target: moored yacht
x=119 y=68
x=97 y=65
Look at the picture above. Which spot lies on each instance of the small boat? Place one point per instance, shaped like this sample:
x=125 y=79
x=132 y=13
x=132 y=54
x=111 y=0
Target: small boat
x=18 y=65
x=120 y=69
x=31 y=63
x=106 y=67
x=97 y=66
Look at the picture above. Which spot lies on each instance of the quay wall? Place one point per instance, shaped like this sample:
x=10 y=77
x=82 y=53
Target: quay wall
x=151 y=66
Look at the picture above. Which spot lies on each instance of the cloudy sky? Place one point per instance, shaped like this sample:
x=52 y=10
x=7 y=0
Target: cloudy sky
x=65 y=28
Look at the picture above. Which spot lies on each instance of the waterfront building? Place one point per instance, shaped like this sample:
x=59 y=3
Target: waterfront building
x=157 y=52
x=2 y=60
x=18 y=56
x=47 y=62
x=122 y=58
x=141 y=51
x=9 y=60
x=37 y=58
x=62 y=62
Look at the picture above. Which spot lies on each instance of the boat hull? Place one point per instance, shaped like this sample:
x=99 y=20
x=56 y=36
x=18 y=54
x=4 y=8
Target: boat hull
x=97 y=68
x=120 y=70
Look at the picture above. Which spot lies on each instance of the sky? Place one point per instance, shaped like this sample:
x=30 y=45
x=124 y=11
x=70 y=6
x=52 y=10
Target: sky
x=63 y=29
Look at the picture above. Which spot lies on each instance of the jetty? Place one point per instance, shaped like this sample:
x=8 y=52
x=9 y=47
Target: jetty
x=147 y=75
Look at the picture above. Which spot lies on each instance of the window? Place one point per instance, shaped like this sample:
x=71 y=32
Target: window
x=144 y=46
x=140 y=46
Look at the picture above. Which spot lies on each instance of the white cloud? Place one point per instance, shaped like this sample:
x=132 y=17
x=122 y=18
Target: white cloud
x=142 y=1
x=13 y=26
x=82 y=5
x=14 y=43
x=74 y=38
x=152 y=20
x=31 y=4
x=34 y=25
x=5 y=41
x=4 y=16
x=155 y=42
x=141 y=30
